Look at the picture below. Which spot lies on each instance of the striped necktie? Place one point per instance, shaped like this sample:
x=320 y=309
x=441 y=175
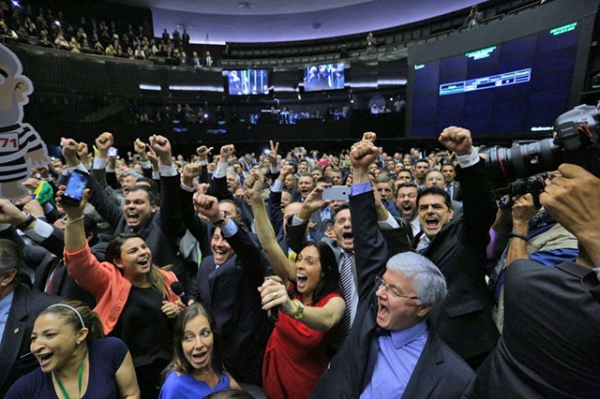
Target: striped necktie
x=346 y=281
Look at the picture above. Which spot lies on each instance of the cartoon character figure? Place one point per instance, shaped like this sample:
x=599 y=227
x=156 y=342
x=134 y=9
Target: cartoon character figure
x=21 y=147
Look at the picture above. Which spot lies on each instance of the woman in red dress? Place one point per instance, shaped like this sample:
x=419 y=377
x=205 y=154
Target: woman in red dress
x=309 y=307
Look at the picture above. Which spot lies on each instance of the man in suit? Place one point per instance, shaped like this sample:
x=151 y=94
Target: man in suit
x=456 y=242
x=391 y=353
x=452 y=186
x=19 y=307
x=227 y=283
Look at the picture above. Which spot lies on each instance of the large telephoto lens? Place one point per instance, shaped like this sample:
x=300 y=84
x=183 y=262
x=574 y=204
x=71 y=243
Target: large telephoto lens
x=507 y=164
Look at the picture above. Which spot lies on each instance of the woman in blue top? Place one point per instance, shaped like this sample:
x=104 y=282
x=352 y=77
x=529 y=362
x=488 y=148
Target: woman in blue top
x=76 y=361
x=197 y=368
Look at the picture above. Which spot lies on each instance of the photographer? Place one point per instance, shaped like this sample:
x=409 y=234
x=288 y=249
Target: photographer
x=550 y=347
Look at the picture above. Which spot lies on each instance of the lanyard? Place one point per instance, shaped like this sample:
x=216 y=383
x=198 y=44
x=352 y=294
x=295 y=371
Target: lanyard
x=79 y=378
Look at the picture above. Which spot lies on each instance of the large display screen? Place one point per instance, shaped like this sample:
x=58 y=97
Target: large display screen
x=247 y=82
x=324 y=77
x=514 y=87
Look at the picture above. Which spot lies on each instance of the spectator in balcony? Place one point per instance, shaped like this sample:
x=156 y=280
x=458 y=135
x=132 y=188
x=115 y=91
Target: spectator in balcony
x=30 y=27
x=139 y=53
x=44 y=39
x=183 y=59
x=61 y=43
x=371 y=43
x=81 y=35
x=185 y=39
x=75 y=46
x=474 y=19
x=110 y=51
x=208 y=61
x=98 y=47
x=153 y=47
x=196 y=63
x=176 y=38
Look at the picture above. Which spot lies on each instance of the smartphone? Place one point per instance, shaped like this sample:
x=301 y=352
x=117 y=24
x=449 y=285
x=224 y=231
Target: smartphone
x=112 y=152
x=74 y=192
x=336 y=193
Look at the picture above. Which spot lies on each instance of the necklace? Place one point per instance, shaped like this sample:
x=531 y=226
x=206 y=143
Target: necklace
x=79 y=378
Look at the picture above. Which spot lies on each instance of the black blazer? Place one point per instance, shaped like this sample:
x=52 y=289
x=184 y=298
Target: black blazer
x=464 y=321
x=161 y=231
x=231 y=292
x=439 y=373
x=26 y=306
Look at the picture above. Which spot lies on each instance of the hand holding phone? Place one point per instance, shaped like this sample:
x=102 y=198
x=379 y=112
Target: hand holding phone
x=75 y=187
x=336 y=193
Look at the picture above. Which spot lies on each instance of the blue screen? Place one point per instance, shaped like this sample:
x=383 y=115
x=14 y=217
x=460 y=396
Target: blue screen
x=513 y=87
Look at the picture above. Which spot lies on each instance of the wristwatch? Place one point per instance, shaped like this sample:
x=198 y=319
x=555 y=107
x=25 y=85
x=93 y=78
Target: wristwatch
x=220 y=220
x=26 y=223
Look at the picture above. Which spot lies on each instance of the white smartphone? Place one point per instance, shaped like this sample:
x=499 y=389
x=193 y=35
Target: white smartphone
x=336 y=193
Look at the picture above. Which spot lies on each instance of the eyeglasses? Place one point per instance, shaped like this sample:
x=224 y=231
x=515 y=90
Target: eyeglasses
x=380 y=283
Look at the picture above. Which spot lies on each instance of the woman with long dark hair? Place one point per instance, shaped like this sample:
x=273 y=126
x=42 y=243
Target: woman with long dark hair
x=133 y=296
x=304 y=297
x=75 y=358
x=197 y=368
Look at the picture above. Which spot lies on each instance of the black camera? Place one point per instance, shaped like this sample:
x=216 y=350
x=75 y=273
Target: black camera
x=533 y=185
x=576 y=142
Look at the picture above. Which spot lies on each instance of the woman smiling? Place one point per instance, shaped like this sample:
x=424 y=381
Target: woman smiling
x=309 y=307
x=75 y=359
x=133 y=296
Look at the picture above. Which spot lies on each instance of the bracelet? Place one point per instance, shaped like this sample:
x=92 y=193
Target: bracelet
x=299 y=309
x=74 y=220
x=26 y=223
x=519 y=235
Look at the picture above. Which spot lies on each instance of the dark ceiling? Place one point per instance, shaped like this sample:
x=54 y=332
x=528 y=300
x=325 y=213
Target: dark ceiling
x=220 y=21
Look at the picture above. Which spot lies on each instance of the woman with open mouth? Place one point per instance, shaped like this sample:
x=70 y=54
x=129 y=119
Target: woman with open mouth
x=197 y=368
x=304 y=301
x=134 y=299
x=75 y=359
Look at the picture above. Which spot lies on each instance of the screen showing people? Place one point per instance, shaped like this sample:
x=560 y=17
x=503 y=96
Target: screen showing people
x=248 y=82
x=324 y=77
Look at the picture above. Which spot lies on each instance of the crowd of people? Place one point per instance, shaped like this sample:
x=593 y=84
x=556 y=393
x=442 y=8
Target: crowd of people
x=81 y=34
x=179 y=278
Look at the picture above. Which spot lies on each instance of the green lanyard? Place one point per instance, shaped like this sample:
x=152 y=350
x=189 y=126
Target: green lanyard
x=79 y=377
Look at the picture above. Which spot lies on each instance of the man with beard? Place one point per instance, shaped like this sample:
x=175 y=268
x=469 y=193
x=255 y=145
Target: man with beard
x=406 y=202
x=421 y=169
x=20 y=145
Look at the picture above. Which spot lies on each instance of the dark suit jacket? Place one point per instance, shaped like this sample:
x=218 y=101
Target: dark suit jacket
x=464 y=320
x=456 y=191
x=231 y=292
x=26 y=306
x=160 y=233
x=439 y=373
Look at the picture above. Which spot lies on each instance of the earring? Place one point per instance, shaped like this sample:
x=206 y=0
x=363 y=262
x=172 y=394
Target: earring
x=78 y=342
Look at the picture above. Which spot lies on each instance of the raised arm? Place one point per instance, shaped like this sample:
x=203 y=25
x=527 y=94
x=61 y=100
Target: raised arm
x=370 y=249
x=479 y=206
x=280 y=263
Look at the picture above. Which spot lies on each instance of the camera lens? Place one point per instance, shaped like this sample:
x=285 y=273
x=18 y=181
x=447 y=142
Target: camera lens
x=507 y=164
